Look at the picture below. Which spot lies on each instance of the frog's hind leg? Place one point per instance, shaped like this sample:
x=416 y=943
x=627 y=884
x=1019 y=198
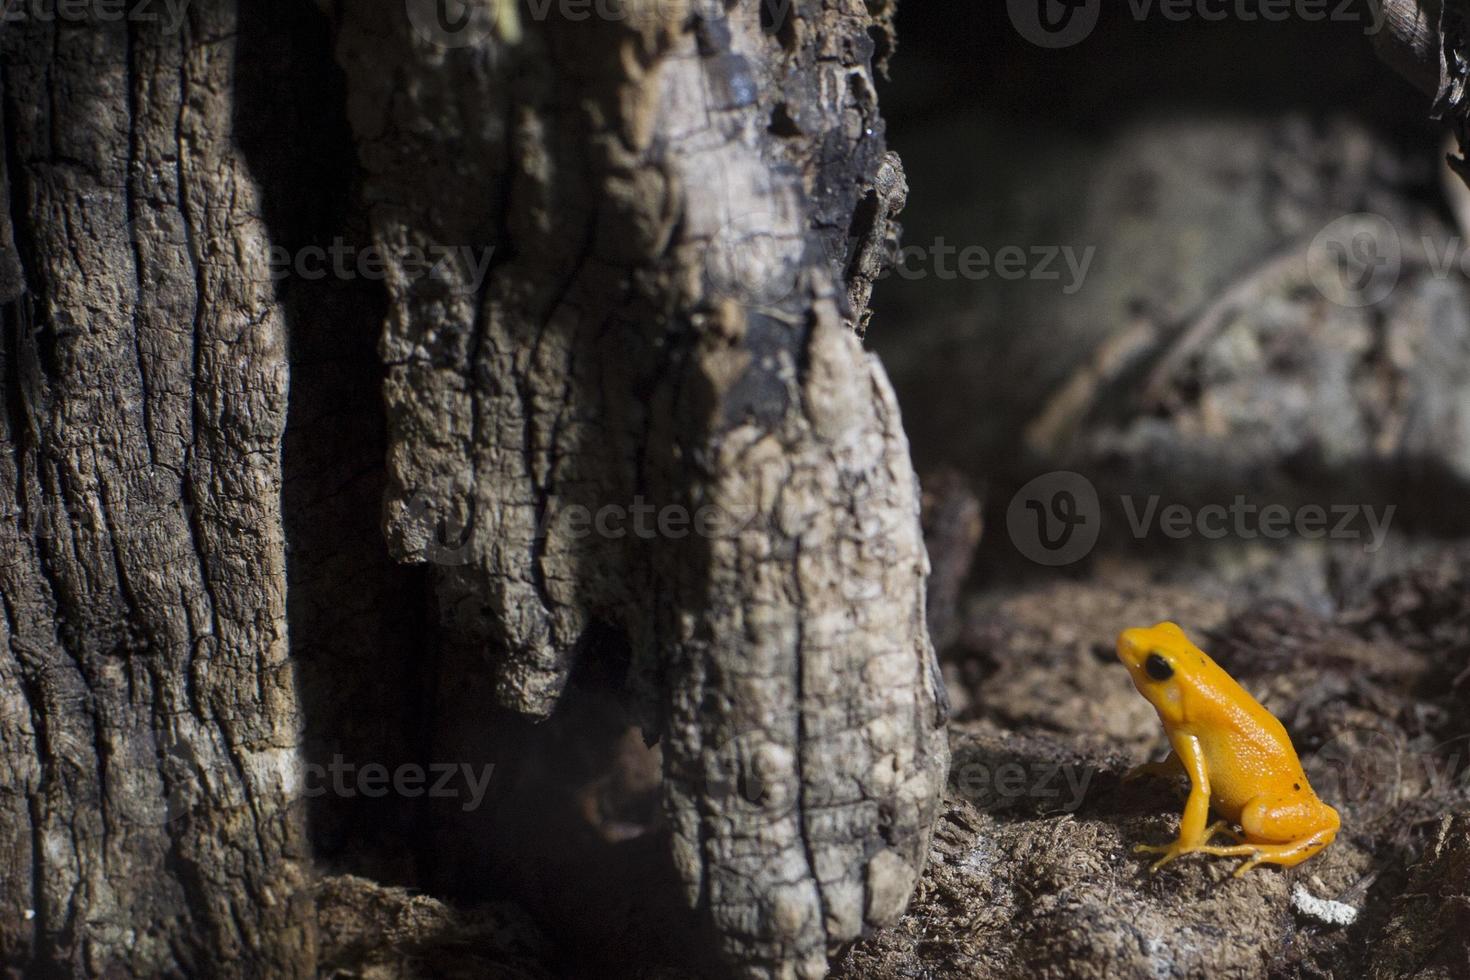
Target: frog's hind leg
x=1181 y=848
x=1286 y=855
x=1270 y=824
x=1224 y=827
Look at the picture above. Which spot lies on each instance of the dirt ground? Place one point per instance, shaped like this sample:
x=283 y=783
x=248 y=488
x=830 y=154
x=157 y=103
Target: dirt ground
x=1032 y=871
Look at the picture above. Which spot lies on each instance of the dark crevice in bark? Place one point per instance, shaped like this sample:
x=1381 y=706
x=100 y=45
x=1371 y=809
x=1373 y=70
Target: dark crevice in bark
x=360 y=625
x=804 y=804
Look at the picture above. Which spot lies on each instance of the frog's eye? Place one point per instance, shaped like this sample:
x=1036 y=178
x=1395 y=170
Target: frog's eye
x=1158 y=668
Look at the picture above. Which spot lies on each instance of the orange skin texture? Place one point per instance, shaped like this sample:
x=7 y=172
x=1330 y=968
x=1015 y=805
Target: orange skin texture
x=1238 y=757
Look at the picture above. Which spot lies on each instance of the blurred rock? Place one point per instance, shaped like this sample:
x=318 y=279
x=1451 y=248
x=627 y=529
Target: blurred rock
x=1161 y=218
x=951 y=522
x=1240 y=313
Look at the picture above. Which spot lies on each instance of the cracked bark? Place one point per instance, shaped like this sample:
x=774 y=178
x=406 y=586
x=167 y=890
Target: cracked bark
x=686 y=210
x=148 y=738
x=682 y=213
x=1428 y=42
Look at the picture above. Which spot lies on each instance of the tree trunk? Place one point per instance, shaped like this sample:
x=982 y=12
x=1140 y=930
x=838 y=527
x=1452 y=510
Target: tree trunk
x=627 y=408
x=150 y=729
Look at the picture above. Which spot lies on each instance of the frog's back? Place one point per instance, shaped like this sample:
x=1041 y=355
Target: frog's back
x=1248 y=751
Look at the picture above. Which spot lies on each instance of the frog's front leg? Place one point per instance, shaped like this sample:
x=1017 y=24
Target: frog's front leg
x=1194 y=834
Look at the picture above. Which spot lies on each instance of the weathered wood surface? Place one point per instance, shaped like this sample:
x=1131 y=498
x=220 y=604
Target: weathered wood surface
x=148 y=739
x=665 y=228
x=674 y=202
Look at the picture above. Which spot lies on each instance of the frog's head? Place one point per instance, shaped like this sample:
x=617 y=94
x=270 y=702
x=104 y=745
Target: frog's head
x=1161 y=660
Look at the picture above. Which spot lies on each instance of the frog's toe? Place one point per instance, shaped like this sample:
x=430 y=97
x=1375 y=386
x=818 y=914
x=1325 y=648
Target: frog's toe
x=1223 y=827
x=1169 y=852
x=1169 y=856
x=1247 y=865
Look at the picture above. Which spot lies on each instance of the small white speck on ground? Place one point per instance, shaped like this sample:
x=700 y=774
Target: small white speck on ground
x=1322 y=909
x=30 y=914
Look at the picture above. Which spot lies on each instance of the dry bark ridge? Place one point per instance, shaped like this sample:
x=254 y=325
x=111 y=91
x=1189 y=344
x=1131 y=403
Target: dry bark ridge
x=666 y=230
x=684 y=208
x=1428 y=42
x=148 y=737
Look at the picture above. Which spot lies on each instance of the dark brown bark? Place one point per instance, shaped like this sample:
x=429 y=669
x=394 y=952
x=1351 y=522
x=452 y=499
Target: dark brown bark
x=664 y=227
x=149 y=738
x=686 y=208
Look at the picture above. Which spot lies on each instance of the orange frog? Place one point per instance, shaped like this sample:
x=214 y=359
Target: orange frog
x=1238 y=757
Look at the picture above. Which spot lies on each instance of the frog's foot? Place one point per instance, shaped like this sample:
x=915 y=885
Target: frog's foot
x=1169 y=852
x=1180 y=848
x=1288 y=854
